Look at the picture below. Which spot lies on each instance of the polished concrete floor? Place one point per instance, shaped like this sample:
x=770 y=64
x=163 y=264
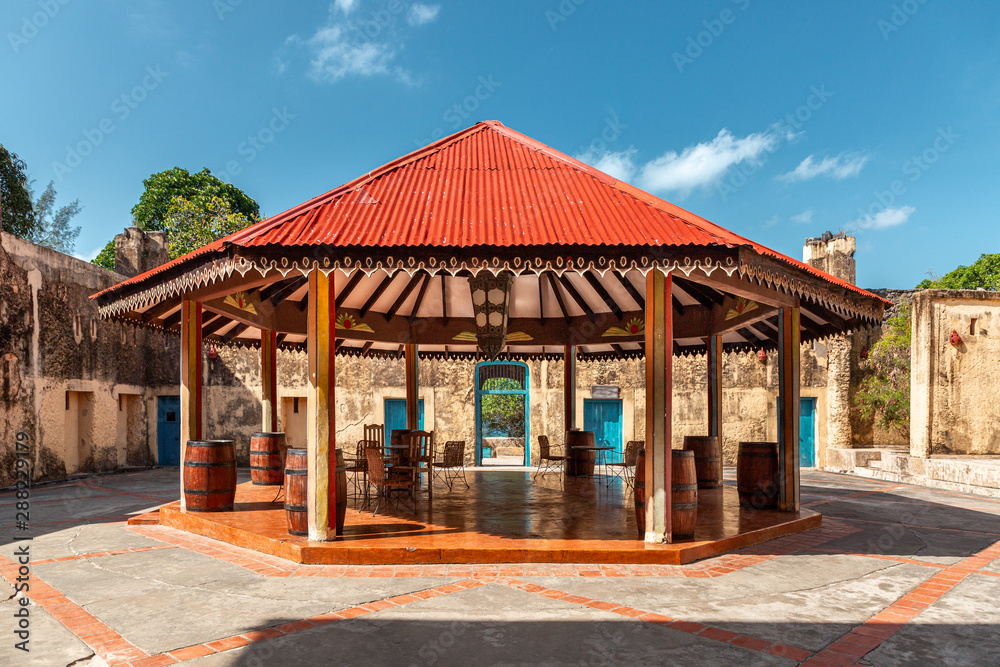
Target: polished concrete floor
x=897 y=575
x=504 y=516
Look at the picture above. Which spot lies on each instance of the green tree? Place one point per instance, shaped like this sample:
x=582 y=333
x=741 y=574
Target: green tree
x=16 y=216
x=211 y=207
x=503 y=414
x=51 y=226
x=983 y=274
x=157 y=200
x=885 y=391
x=192 y=223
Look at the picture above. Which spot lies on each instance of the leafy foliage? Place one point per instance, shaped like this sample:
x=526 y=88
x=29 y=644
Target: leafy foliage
x=983 y=274
x=885 y=392
x=194 y=209
x=162 y=189
x=15 y=198
x=192 y=223
x=502 y=414
x=51 y=226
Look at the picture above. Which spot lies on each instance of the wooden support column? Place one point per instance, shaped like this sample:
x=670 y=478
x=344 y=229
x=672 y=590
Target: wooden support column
x=789 y=346
x=191 y=403
x=320 y=407
x=412 y=387
x=569 y=386
x=659 y=384
x=715 y=387
x=269 y=381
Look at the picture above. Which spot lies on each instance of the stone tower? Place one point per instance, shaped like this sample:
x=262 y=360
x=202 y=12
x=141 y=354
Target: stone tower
x=137 y=251
x=834 y=253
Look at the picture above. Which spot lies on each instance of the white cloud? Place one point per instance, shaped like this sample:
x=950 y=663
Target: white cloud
x=420 y=14
x=335 y=55
x=771 y=222
x=705 y=163
x=887 y=217
x=804 y=217
x=620 y=165
x=345 y=47
x=346 y=6
x=843 y=166
x=89 y=256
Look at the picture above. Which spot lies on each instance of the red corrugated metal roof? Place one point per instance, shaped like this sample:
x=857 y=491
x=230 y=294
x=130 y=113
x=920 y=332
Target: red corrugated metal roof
x=486 y=186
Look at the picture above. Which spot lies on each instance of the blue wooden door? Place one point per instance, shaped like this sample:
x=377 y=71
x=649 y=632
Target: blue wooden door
x=807 y=432
x=395 y=416
x=604 y=418
x=168 y=430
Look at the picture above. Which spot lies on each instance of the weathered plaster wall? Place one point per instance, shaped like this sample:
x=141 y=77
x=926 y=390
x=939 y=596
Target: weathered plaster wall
x=953 y=387
x=63 y=368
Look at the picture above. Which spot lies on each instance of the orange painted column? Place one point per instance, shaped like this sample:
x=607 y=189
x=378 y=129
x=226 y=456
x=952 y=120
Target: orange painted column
x=269 y=381
x=569 y=386
x=659 y=408
x=320 y=407
x=789 y=347
x=191 y=400
x=715 y=387
x=412 y=386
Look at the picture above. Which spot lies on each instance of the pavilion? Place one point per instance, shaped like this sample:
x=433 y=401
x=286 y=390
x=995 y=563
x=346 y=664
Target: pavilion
x=582 y=266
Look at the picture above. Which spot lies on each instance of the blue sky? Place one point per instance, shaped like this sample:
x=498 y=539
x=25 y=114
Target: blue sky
x=779 y=120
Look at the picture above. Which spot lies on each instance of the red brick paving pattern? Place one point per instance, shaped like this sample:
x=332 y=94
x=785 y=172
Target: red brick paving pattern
x=847 y=650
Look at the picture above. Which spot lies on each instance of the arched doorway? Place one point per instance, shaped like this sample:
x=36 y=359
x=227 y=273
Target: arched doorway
x=503 y=415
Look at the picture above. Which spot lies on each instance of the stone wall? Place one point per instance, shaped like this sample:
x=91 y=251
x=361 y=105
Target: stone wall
x=72 y=382
x=953 y=382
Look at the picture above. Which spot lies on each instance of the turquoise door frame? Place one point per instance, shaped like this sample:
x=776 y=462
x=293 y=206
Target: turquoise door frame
x=168 y=430
x=395 y=416
x=807 y=432
x=603 y=416
x=480 y=392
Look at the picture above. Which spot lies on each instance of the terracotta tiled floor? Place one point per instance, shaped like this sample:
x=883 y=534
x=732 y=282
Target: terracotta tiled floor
x=503 y=517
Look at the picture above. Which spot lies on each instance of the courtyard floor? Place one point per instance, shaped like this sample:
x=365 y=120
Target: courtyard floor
x=896 y=575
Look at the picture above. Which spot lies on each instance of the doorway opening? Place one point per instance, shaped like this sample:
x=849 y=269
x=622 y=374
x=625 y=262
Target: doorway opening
x=503 y=415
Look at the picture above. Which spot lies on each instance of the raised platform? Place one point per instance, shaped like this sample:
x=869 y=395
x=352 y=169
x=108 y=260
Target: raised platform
x=504 y=517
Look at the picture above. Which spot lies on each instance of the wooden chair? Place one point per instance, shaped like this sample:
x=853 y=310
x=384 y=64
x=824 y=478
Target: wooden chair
x=403 y=478
x=453 y=464
x=621 y=469
x=359 y=466
x=546 y=457
x=422 y=455
x=375 y=432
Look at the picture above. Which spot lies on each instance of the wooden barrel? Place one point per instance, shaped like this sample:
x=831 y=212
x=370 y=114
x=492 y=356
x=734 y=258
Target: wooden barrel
x=296 y=489
x=267 y=453
x=707 y=459
x=209 y=475
x=684 y=494
x=757 y=475
x=341 y=482
x=639 y=484
x=581 y=461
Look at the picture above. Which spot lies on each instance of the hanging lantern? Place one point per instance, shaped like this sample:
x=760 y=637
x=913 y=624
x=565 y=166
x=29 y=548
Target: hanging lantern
x=491 y=304
x=954 y=338
x=762 y=356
